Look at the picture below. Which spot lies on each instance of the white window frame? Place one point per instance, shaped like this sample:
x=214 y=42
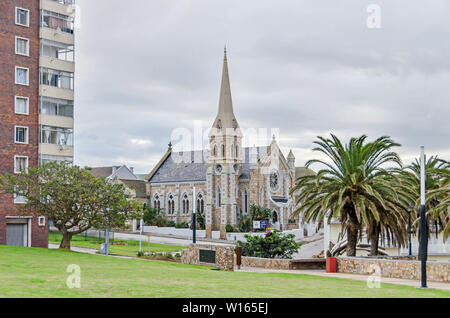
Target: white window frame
x=28 y=105
x=15 y=166
x=28 y=17
x=17 y=196
x=28 y=75
x=28 y=46
x=41 y=221
x=26 y=135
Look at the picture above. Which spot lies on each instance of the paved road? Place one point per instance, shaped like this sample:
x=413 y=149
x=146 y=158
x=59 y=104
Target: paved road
x=161 y=239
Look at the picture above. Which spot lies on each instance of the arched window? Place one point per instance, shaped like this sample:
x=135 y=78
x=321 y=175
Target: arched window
x=215 y=151
x=223 y=150
x=237 y=151
x=185 y=204
x=200 y=203
x=171 y=205
x=244 y=201
x=219 y=197
x=156 y=202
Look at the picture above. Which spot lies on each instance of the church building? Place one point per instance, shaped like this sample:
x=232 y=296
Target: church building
x=228 y=178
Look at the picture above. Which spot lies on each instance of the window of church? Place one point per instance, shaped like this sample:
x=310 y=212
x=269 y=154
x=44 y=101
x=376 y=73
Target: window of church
x=171 y=205
x=244 y=201
x=200 y=203
x=185 y=204
x=215 y=151
x=156 y=202
x=218 y=197
x=223 y=150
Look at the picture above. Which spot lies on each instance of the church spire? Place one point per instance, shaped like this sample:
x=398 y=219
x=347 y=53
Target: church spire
x=225 y=117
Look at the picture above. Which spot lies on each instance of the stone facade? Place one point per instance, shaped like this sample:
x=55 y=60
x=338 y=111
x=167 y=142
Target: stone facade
x=271 y=263
x=276 y=263
x=224 y=256
x=228 y=177
x=406 y=269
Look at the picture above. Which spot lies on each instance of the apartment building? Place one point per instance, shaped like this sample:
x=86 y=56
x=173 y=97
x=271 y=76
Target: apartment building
x=36 y=101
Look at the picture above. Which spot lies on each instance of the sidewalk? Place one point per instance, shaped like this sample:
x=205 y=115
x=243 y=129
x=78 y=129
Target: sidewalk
x=323 y=273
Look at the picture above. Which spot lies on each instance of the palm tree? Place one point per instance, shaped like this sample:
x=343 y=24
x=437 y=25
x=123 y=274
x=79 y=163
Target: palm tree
x=353 y=187
x=437 y=185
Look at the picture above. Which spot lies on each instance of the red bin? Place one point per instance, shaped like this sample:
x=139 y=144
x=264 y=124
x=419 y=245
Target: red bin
x=331 y=265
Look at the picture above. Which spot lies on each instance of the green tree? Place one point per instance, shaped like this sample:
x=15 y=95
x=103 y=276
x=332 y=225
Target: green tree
x=72 y=198
x=437 y=185
x=353 y=186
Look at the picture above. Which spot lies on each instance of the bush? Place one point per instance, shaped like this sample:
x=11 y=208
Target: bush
x=153 y=217
x=259 y=213
x=170 y=224
x=273 y=245
x=230 y=228
x=245 y=223
x=182 y=225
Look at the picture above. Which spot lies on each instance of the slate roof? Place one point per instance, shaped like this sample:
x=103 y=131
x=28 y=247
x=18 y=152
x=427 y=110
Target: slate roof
x=136 y=185
x=102 y=172
x=192 y=165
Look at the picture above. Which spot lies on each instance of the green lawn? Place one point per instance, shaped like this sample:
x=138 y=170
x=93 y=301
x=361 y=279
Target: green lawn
x=130 y=249
x=35 y=272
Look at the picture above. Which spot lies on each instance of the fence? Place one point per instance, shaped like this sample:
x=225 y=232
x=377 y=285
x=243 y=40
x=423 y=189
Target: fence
x=89 y=235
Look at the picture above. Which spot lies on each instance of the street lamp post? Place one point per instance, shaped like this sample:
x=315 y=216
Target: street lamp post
x=194 y=217
x=410 y=210
x=423 y=222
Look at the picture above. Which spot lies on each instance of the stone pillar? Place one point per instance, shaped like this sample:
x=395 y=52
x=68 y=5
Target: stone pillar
x=209 y=196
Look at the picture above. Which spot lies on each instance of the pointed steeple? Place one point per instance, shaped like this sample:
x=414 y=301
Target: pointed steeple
x=225 y=117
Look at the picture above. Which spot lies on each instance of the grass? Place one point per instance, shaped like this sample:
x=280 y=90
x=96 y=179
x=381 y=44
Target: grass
x=129 y=249
x=35 y=272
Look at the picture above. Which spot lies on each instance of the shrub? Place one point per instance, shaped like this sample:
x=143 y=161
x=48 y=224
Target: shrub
x=245 y=223
x=259 y=213
x=273 y=245
x=230 y=228
x=170 y=224
x=182 y=225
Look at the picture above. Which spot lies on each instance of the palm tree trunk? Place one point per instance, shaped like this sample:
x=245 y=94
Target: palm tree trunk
x=374 y=238
x=352 y=234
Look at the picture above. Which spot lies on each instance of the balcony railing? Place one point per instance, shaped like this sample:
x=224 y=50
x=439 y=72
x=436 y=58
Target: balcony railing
x=66 y=2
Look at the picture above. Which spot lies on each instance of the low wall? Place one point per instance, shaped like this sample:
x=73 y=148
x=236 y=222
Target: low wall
x=272 y=263
x=224 y=256
x=180 y=232
x=277 y=263
x=406 y=269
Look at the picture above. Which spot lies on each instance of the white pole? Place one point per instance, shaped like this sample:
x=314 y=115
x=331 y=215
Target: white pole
x=141 y=223
x=193 y=202
x=422 y=175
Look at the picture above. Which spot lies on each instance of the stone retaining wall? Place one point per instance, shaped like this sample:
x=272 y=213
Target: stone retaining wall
x=272 y=263
x=436 y=271
x=224 y=255
x=276 y=263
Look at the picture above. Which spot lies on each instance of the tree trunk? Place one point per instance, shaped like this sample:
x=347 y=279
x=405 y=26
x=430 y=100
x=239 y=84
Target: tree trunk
x=374 y=237
x=65 y=242
x=352 y=235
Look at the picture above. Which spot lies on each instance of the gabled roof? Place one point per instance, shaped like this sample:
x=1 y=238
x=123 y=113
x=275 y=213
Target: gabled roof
x=302 y=171
x=111 y=172
x=138 y=186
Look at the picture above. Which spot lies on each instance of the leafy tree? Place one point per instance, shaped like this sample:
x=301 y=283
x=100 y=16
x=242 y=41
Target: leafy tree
x=273 y=245
x=245 y=223
x=353 y=186
x=72 y=198
x=437 y=185
x=153 y=216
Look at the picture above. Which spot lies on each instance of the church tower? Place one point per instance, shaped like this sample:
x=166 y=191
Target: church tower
x=225 y=144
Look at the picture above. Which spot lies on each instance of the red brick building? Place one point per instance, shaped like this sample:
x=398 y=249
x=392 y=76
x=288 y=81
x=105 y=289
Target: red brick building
x=19 y=115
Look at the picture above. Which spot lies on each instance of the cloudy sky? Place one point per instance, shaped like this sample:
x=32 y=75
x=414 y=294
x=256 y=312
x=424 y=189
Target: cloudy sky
x=145 y=68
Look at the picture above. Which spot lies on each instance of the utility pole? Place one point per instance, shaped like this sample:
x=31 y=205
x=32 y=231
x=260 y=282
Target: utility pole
x=423 y=221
